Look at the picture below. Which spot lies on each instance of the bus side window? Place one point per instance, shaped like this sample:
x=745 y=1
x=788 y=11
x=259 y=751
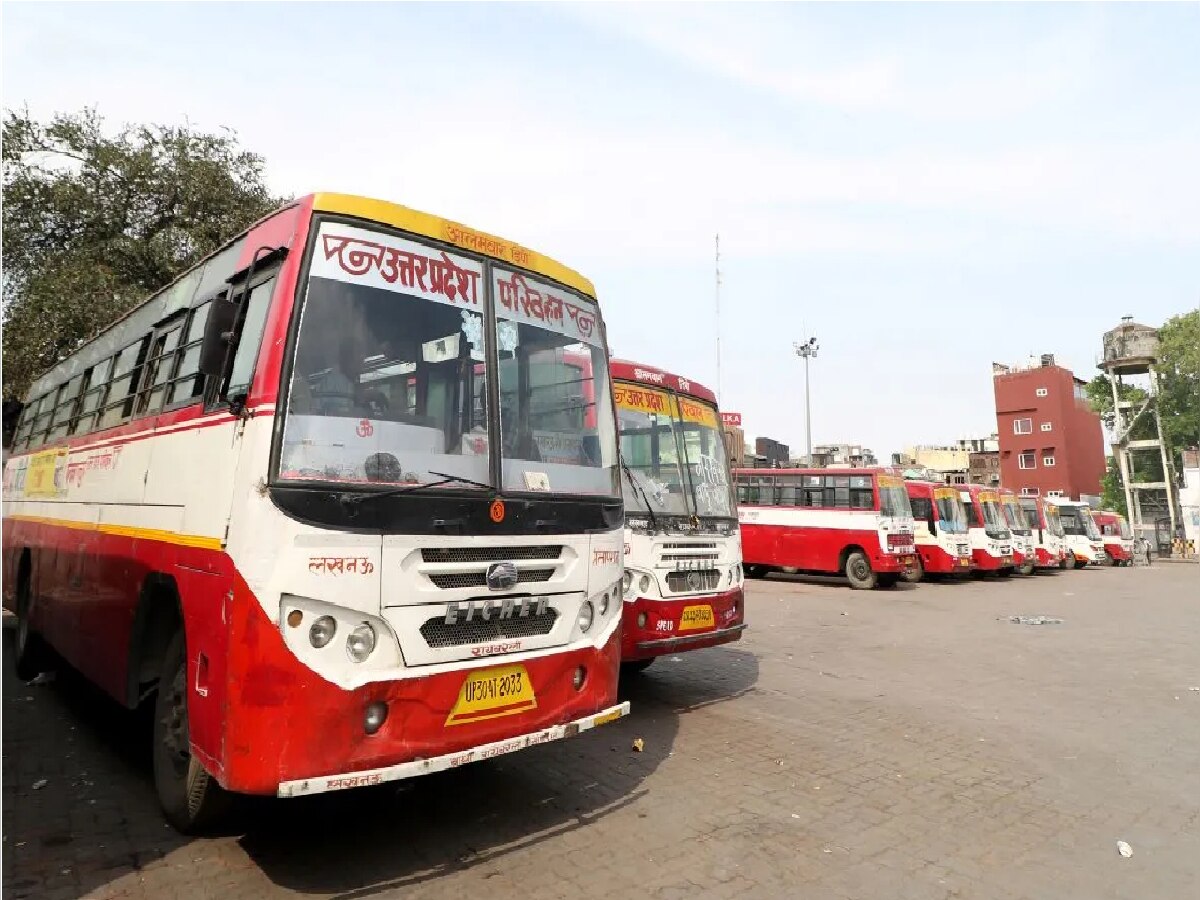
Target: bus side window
x=787 y=492
x=922 y=508
x=841 y=492
x=253 y=323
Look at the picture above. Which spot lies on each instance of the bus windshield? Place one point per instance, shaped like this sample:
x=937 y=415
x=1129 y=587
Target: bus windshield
x=674 y=453
x=993 y=518
x=390 y=379
x=952 y=515
x=1089 y=524
x=1123 y=528
x=1077 y=520
x=1054 y=521
x=893 y=497
x=1014 y=517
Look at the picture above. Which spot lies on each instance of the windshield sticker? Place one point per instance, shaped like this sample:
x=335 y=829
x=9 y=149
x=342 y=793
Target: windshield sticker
x=890 y=481
x=532 y=302
x=989 y=497
x=945 y=493
x=644 y=400
x=360 y=256
x=536 y=481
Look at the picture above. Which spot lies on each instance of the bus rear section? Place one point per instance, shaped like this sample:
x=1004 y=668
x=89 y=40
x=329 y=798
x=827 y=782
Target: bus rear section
x=397 y=543
x=1023 y=543
x=1116 y=536
x=991 y=541
x=1049 y=549
x=851 y=522
x=1084 y=543
x=683 y=582
x=940 y=530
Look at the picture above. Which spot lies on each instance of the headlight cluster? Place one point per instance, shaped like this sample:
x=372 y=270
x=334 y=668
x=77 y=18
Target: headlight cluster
x=324 y=630
x=603 y=602
x=635 y=582
x=735 y=574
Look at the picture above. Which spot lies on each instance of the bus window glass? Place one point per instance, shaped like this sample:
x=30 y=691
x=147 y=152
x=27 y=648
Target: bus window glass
x=251 y=337
x=893 y=497
x=654 y=479
x=952 y=516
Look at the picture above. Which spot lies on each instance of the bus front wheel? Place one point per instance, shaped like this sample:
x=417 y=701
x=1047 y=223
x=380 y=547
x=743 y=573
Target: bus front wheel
x=30 y=653
x=191 y=799
x=859 y=572
x=916 y=573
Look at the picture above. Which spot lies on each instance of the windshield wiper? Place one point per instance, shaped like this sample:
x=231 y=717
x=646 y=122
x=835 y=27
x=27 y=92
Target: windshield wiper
x=356 y=498
x=641 y=490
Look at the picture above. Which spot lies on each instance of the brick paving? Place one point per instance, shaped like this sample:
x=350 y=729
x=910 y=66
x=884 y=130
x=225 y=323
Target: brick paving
x=909 y=743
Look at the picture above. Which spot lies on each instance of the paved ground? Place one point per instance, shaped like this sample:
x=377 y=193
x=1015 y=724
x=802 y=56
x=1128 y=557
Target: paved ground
x=893 y=744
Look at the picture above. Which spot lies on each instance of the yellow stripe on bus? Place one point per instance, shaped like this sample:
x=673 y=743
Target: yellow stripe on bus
x=452 y=233
x=130 y=531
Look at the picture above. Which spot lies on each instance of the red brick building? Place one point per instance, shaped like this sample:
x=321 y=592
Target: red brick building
x=1051 y=442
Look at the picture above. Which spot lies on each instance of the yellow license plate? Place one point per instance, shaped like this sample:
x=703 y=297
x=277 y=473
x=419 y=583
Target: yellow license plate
x=696 y=617
x=492 y=693
x=964 y=561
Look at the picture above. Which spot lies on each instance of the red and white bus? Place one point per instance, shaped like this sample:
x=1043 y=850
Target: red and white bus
x=302 y=496
x=683 y=551
x=1049 y=548
x=851 y=522
x=991 y=541
x=940 y=530
x=1080 y=534
x=1023 y=543
x=1116 y=536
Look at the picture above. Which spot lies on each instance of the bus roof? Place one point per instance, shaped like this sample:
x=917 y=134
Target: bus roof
x=194 y=281
x=868 y=470
x=656 y=377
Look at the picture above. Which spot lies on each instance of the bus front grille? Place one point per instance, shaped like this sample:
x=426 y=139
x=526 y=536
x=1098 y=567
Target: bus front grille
x=447 y=580
x=489 y=554
x=706 y=580
x=438 y=634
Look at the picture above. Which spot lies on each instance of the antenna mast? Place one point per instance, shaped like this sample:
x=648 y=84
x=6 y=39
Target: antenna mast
x=718 y=303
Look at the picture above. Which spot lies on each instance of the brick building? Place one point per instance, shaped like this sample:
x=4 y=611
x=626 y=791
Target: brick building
x=774 y=453
x=1051 y=442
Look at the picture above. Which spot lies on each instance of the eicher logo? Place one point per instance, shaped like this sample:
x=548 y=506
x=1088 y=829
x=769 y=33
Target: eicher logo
x=521 y=607
x=502 y=576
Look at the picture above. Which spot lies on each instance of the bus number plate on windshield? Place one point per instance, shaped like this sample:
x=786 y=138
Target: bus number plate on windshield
x=492 y=693
x=696 y=617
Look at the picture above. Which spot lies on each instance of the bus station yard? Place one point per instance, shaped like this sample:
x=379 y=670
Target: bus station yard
x=922 y=741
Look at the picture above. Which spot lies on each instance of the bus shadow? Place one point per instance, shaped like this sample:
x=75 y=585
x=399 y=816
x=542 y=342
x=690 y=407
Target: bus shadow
x=833 y=581
x=79 y=804
x=358 y=844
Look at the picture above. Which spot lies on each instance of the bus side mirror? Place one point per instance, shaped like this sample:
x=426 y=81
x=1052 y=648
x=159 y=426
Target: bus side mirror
x=218 y=334
x=932 y=526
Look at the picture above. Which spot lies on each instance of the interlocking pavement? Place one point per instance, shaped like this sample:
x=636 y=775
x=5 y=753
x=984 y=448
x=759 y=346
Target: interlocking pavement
x=907 y=743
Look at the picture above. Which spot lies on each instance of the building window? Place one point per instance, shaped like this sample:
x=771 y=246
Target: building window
x=1022 y=426
x=1047 y=426
x=1047 y=461
x=1042 y=392
x=1054 y=493
x=1029 y=492
x=1027 y=460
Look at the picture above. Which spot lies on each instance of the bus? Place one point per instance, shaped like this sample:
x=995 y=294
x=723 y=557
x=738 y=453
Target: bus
x=851 y=522
x=1116 y=535
x=1023 y=543
x=1049 y=548
x=940 y=530
x=267 y=500
x=683 y=551
x=1082 y=538
x=991 y=541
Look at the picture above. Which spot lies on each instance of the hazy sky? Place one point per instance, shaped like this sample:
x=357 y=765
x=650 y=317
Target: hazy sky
x=926 y=188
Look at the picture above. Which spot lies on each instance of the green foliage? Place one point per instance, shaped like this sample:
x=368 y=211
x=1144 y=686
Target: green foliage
x=94 y=223
x=1099 y=394
x=1179 y=380
x=1112 y=493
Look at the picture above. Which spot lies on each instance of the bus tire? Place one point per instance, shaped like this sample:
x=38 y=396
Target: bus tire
x=191 y=799
x=916 y=573
x=1005 y=572
x=859 y=572
x=30 y=653
x=635 y=667
x=1027 y=569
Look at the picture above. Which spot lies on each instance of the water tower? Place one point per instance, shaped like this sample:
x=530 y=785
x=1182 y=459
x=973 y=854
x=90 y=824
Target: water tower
x=1130 y=356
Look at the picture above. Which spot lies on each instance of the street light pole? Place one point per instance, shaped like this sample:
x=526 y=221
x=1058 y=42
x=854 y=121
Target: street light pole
x=807 y=350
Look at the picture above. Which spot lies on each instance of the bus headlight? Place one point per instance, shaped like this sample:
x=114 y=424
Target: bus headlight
x=604 y=604
x=361 y=642
x=322 y=631
x=644 y=583
x=586 y=615
x=626 y=582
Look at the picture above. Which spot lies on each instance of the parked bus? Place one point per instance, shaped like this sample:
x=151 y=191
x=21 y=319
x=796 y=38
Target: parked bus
x=1024 y=544
x=943 y=545
x=851 y=522
x=1116 y=536
x=261 y=498
x=1080 y=534
x=1049 y=547
x=683 y=551
x=991 y=541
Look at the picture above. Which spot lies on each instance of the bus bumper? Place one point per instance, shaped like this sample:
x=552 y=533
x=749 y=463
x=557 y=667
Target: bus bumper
x=288 y=731
x=1117 y=552
x=985 y=562
x=651 y=628
x=938 y=561
x=1048 y=560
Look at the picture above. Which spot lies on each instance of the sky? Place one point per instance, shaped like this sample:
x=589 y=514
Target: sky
x=925 y=188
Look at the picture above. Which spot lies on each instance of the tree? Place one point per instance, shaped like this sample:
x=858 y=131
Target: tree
x=1112 y=492
x=94 y=223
